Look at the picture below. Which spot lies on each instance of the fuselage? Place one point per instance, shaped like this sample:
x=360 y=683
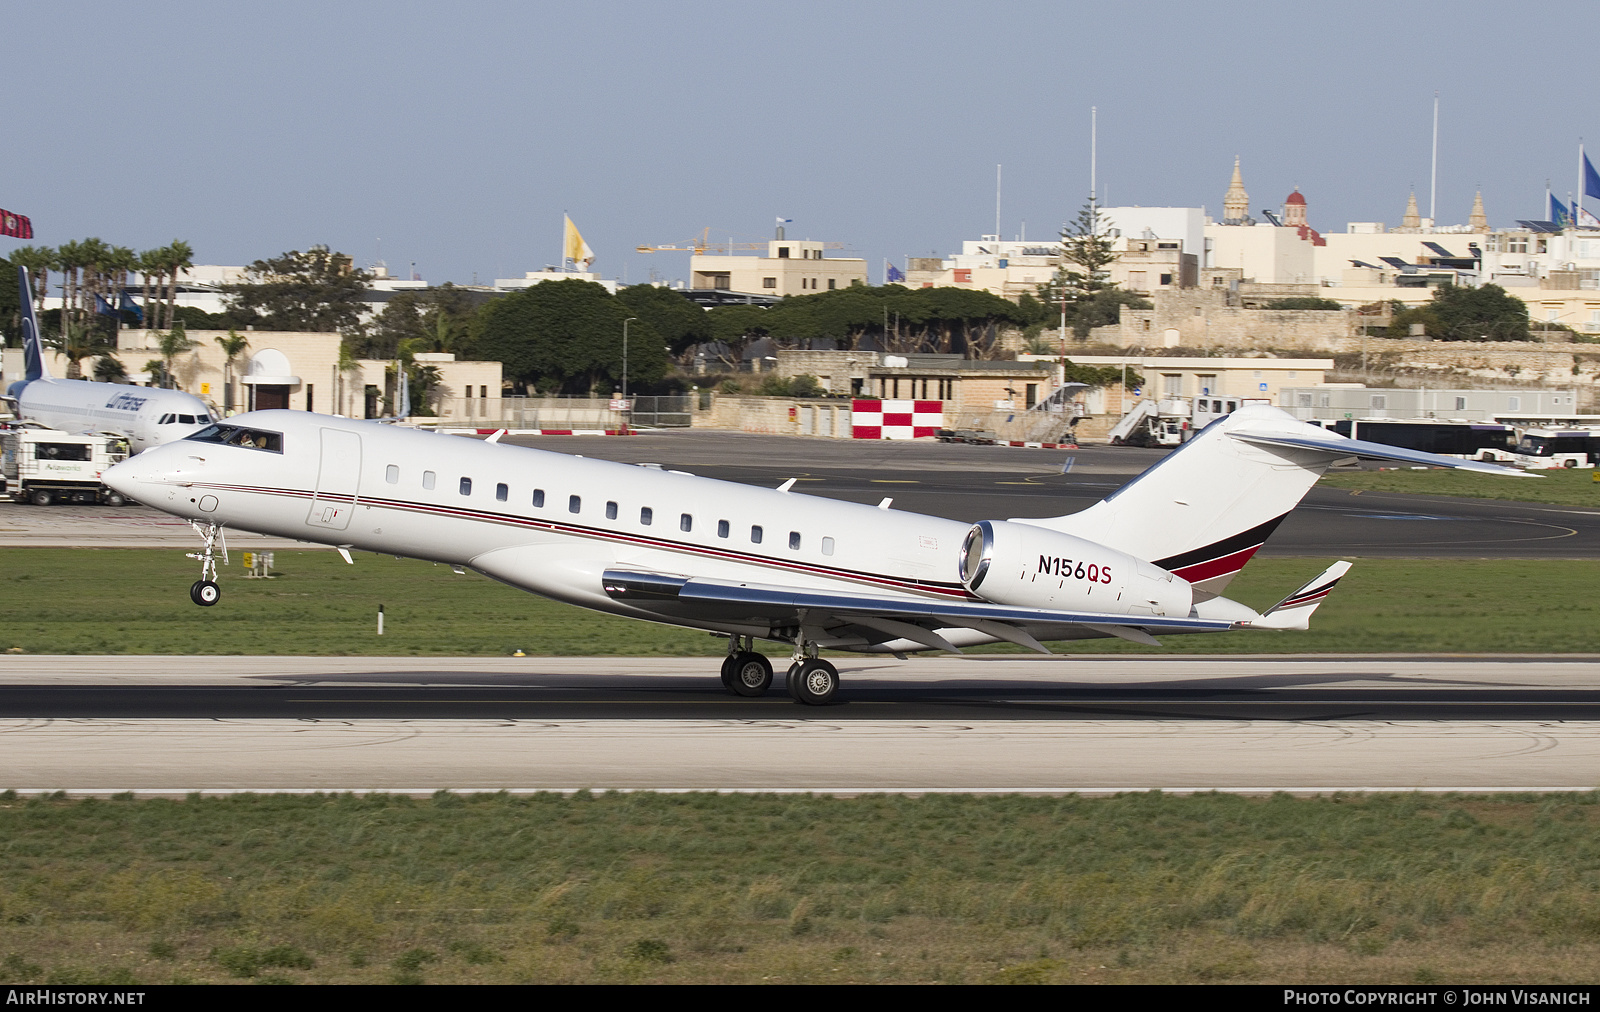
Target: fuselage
x=546 y=522
x=148 y=416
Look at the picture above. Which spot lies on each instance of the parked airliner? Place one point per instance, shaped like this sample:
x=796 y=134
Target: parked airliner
x=146 y=415
x=754 y=563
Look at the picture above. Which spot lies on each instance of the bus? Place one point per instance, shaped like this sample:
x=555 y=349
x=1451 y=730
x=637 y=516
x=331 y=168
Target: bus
x=1466 y=440
x=1542 y=448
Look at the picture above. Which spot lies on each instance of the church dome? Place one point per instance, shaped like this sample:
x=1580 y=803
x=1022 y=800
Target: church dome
x=1295 y=198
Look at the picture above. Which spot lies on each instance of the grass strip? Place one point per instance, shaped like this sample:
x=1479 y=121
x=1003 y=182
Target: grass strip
x=135 y=601
x=708 y=888
x=1560 y=487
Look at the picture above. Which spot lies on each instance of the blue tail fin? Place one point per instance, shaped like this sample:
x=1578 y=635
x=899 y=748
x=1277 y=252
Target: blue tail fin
x=32 y=348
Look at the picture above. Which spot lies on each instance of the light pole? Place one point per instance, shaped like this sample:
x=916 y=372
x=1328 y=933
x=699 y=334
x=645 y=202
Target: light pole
x=625 y=356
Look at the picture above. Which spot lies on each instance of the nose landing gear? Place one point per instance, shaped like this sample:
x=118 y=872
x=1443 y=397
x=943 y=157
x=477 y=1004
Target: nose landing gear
x=205 y=591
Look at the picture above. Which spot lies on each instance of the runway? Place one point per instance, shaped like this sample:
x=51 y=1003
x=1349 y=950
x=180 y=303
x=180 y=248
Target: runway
x=1085 y=724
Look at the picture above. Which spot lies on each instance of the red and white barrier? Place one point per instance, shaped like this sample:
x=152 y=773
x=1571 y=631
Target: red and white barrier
x=881 y=419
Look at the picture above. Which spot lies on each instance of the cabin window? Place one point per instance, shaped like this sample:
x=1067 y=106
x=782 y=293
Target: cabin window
x=574 y=503
x=391 y=474
x=502 y=492
x=647 y=515
x=722 y=528
x=827 y=546
x=794 y=541
x=685 y=522
x=755 y=535
x=428 y=479
x=611 y=511
x=466 y=486
x=538 y=498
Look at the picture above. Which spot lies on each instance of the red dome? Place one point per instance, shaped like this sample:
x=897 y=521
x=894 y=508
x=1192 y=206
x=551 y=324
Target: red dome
x=1295 y=198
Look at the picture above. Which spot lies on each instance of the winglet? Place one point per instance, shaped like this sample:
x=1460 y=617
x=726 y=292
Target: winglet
x=1294 y=611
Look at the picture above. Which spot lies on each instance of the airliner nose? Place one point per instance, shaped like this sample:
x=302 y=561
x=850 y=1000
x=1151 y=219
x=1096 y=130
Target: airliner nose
x=127 y=477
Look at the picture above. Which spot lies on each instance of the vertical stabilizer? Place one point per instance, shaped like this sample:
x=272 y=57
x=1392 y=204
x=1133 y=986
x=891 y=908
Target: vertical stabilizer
x=32 y=347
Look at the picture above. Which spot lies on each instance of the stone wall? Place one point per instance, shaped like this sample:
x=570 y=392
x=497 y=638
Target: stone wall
x=780 y=416
x=1205 y=319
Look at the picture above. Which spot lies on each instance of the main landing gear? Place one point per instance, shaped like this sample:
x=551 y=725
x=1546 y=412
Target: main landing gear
x=809 y=680
x=205 y=591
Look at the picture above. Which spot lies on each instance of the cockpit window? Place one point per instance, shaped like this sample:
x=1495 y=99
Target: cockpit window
x=164 y=420
x=186 y=419
x=236 y=435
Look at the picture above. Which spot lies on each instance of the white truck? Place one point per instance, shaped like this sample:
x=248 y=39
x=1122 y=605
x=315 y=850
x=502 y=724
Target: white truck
x=1171 y=421
x=44 y=466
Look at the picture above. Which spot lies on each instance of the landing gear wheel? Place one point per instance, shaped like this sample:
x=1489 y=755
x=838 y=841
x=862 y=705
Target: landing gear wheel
x=116 y=499
x=752 y=674
x=818 y=682
x=727 y=671
x=41 y=497
x=791 y=681
x=205 y=593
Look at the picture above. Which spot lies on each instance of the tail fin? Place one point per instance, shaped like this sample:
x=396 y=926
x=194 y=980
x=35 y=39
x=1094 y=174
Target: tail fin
x=32 y=347
x=1294 y=611
x=1204 y=510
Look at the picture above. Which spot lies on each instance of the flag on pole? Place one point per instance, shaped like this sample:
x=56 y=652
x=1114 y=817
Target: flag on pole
x=1558 y=212
x=573 y=246
x=785 y=221
x=102 y=307
x=127 y=305
x=1591 y=180
x=20 y=227
x=895 y=274
x=1587 y=220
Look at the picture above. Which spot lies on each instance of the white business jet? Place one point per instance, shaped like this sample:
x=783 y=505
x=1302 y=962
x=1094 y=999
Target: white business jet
x=146 y=415
x=753 y=563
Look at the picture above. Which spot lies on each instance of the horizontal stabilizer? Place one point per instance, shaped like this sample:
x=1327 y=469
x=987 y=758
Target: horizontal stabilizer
x=1346 y=447
x=1294 y=611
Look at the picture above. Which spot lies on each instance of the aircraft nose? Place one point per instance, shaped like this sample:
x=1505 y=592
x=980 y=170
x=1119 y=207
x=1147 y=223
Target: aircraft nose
x=127 y=477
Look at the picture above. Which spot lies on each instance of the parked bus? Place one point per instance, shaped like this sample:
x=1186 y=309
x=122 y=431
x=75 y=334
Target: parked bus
x=1467 y=440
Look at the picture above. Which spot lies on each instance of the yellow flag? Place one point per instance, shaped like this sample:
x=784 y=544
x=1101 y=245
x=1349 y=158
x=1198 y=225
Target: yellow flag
x=575 y=248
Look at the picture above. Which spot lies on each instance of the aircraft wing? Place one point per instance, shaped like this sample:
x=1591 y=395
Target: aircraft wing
x=878 y=619
x=1346 y=447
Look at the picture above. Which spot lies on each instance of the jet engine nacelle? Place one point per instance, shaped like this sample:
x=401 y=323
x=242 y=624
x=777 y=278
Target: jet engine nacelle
x=1031 y=567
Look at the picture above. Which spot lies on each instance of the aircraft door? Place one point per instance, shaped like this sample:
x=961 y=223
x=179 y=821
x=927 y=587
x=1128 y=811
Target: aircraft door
x=338 y=480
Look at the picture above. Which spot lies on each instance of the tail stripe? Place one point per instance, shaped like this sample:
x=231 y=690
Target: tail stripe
x=1218 y=551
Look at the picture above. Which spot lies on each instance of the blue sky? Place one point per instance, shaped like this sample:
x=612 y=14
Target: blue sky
x=459 y=134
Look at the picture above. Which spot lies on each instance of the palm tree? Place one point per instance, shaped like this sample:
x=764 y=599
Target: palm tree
x=40 y=261
x=69 y=261
x=179 y=258
x=173 y=343
x=76 y=342
x=149 y=266
x=109 y=369
x=233 y=346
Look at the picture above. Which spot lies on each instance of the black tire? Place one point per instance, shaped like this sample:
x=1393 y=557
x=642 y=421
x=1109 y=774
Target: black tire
x=752 y=675
x=205 y=593
x=818 y=683
x=116 y=499
x=41 y=497
x=1569 y=463
x=791 y=681
x=727 y=671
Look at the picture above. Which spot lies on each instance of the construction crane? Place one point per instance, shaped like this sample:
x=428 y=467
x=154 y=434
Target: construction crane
x=703 y=243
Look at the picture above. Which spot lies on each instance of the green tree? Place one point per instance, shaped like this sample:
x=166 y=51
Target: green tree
x=1484 y=313
x=317 y=290
x=173 y=343
x=232 y=346
x=1101 y=309
x=76 y=342
x=679 y=322
x=109 y=369
x=1303 y=302
x=567 y=336
x=734 y=327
